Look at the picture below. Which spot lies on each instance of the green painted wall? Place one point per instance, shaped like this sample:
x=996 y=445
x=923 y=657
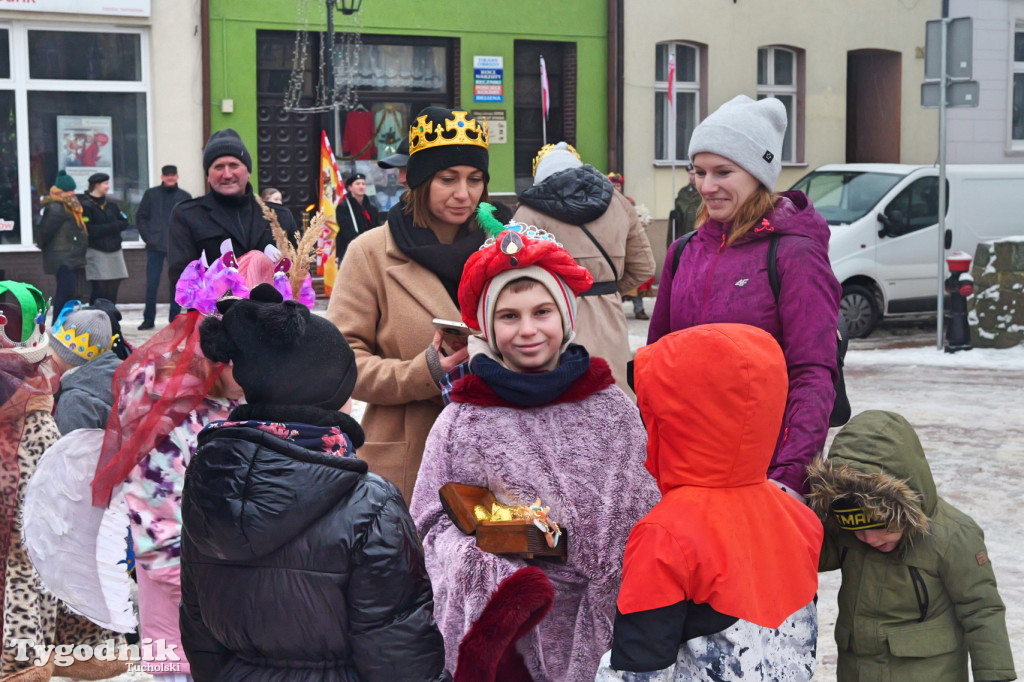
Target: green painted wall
x=489 y=27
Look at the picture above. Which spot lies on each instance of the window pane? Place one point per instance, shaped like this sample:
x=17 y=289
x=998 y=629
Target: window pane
x=686 y=120
x=1018 y=106
x=393 y=68
x=787 y=139
x=80 y=56
x=1018 y=46
x=686 y=64
x=61 y=122
x=661 y=62
x=5 y=53
x=784 y=67
x=660 y=136
x=762 y=66
x=10 y=217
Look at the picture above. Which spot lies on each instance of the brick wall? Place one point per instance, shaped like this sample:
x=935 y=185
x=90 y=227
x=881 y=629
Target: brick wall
x=28 y=267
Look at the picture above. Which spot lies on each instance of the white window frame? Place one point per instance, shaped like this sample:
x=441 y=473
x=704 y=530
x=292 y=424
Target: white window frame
x=771 y=89
x=22 y=84
x=1013 y=144
x=682 y=87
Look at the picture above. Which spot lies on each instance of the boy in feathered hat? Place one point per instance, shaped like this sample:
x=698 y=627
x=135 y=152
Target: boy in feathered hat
x=918 y=590
x=536 y=417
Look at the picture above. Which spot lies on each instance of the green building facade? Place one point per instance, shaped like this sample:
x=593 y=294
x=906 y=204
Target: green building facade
x=409 y=54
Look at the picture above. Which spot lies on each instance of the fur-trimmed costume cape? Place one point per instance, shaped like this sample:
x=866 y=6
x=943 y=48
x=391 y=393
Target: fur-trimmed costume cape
x=584 y=459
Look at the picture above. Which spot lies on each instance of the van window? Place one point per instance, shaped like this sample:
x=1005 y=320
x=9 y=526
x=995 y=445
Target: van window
x=842 y=197
x=919 y=206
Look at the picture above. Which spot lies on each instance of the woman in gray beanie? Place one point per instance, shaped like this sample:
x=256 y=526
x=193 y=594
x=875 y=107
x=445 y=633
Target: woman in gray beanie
x=723 y=274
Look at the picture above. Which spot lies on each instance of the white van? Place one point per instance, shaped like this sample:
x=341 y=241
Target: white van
x=884 y=220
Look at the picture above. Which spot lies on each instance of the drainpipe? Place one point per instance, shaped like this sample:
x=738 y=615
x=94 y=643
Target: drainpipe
x=615 y=82
x=204 y=21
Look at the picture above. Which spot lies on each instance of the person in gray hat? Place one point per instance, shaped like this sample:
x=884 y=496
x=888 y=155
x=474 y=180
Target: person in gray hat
x=78 y=336
x=228 y=211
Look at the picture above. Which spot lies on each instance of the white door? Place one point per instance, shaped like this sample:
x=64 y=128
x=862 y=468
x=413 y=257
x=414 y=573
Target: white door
x=907 y=251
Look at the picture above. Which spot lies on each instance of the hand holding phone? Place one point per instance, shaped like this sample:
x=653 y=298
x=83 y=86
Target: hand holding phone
x=454 y=335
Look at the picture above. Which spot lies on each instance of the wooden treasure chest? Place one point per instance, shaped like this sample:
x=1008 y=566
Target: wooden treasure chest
x=518 y=537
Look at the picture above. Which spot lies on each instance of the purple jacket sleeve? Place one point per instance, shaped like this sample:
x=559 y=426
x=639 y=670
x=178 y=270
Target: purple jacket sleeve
x=661 y=318
x=809 y=311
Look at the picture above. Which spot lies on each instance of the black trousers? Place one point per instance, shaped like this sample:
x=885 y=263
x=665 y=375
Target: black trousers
x=70 y=284
x=104 y=288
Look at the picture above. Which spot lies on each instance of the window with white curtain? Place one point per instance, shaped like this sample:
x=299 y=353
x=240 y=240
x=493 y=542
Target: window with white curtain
x=777 y=77
x=672 y=133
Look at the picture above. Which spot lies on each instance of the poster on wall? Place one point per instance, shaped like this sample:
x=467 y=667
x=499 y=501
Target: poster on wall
x=488 y=79
x=84 y=147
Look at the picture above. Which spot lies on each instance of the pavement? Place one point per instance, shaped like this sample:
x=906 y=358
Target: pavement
x=966 y=410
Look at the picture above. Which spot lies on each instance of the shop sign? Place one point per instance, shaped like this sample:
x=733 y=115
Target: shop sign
x=6 y=225
x=497 y=124
x=123 y=8
x=488 y=79
x=84 y=145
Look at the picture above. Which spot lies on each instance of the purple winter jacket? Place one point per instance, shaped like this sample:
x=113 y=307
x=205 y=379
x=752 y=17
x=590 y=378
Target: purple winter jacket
x=730 y=284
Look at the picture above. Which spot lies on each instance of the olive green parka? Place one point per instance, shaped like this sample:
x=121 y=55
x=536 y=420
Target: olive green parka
x=916 y=612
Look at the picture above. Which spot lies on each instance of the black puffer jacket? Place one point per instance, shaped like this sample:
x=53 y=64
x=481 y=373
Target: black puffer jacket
x=105 y=221
x=299 y=565
x=574 y=196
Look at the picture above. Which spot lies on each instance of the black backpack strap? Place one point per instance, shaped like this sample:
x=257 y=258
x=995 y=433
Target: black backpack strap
x=677 y=249
x=615 y=271
x=773 y=270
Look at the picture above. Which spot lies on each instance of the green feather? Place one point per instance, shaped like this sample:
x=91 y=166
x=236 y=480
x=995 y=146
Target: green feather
x=491 y=226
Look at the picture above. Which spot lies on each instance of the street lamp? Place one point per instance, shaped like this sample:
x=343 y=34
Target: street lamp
x=348 y=8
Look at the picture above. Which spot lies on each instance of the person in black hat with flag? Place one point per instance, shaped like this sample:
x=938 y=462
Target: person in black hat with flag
x=228 y=211
x=153 y=219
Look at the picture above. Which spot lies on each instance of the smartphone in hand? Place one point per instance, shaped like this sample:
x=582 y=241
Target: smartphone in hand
x=454 y=335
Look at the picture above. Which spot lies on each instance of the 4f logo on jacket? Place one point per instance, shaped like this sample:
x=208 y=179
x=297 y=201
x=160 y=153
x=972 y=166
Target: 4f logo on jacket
x=741 y=282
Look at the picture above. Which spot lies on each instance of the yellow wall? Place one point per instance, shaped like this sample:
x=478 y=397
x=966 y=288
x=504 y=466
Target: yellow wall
x=733 y=31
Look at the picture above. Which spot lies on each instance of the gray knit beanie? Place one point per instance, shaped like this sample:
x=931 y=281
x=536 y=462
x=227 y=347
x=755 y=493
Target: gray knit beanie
x=554 y=158
x=68 y=337
x=749 y=133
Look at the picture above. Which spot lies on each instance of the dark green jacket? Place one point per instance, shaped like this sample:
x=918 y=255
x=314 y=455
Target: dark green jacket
x=60 y=237
x=914 y=613
x=687 y=205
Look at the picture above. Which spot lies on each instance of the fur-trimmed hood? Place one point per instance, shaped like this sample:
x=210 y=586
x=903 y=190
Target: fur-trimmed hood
x=877 y=460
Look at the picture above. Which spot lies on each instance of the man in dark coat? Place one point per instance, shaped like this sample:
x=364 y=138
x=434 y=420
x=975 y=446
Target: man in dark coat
x=228 y=211
x=153 y=219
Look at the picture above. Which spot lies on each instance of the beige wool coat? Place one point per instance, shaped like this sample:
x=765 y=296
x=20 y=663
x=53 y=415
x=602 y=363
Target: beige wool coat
x=600 y=321
x=384 y=302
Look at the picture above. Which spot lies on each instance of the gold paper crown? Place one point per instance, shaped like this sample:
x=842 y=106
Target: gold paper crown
x=79 y=343
x=424 y=134
x=548 y=148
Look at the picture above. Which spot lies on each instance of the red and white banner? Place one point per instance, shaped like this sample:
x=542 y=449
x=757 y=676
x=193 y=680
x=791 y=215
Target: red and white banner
x=672 y=76
x=545 y=92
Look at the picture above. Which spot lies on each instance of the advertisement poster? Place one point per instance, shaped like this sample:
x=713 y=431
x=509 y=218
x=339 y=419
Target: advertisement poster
x=488 y=79
x=84 y=147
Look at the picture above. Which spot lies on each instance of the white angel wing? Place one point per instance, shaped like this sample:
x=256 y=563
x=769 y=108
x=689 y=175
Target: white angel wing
x=75 y=547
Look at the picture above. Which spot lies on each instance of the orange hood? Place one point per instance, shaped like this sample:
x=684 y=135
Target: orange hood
x=712 y=398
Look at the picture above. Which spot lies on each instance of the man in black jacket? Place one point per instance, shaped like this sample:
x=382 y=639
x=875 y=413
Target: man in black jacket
x=152 y=219
x=228 y=211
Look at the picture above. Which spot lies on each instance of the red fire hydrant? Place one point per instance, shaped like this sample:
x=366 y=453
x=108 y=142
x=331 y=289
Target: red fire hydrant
x=959 y=285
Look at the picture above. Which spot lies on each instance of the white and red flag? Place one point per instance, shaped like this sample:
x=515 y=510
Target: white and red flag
x=672 y=77
x=545 y=91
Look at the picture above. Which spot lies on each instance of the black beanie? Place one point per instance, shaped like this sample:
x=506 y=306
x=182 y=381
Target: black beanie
x=425 y=161
x=281 y=353
x=225 y=143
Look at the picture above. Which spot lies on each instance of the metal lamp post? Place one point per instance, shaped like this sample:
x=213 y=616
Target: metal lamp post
x=348 y=8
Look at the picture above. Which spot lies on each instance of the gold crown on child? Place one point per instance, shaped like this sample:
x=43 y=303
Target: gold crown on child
x=79 y=343
x=424 y=134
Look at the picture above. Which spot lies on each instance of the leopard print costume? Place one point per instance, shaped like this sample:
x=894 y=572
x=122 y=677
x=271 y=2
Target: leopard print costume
x=30 y=612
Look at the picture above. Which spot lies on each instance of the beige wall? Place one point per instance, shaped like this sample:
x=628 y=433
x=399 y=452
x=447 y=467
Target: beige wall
x=825 y=29
x=177 y=92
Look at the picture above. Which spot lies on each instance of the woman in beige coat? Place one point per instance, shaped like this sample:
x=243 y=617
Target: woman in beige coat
x=394 y=281
x=599 y=227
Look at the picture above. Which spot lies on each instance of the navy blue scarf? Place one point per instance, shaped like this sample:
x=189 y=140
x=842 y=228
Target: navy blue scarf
x=536 y=388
